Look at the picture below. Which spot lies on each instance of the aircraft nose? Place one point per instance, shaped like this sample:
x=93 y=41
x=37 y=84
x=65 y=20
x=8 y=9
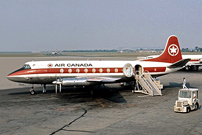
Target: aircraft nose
x=14 y=76
x=11 y=77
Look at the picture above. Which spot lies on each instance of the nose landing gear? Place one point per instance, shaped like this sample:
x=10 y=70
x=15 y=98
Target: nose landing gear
x=32 y=91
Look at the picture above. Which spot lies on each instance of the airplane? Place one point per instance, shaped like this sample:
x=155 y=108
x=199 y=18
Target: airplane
x=54 y=53
x=194 y=63
x=95 y=73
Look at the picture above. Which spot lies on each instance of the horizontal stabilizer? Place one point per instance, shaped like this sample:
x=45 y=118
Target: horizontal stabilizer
x=195 y=64
x=180 y=63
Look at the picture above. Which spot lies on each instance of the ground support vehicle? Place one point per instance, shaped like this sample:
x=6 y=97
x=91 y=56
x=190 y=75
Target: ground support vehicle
x=187 y=100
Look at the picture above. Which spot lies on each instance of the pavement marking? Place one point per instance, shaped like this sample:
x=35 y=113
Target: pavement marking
x=66 y=108
x=100 y=103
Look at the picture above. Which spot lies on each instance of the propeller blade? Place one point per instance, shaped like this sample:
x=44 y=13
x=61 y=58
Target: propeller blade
x=56 y=86
x=60 y=87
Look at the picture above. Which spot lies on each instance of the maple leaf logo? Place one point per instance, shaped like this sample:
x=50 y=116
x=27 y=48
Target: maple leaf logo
x=173 y=50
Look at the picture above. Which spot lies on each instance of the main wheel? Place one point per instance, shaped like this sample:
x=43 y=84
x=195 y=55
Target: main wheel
x=92 y=92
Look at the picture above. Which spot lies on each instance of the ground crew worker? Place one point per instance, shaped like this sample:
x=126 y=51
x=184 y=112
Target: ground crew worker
x=184 y=83
x=194 y=98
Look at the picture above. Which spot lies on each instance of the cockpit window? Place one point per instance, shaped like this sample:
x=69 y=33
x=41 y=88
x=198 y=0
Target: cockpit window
x=26 y=66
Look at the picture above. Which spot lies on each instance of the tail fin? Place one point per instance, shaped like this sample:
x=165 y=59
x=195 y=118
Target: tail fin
x=171 y=53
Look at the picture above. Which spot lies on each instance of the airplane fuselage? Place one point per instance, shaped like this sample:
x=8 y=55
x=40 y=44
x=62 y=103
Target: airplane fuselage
x=45 y=72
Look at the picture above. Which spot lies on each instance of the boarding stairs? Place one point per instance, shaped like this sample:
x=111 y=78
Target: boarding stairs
x=148 y=84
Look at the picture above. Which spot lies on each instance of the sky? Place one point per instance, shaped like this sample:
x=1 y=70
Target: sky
x=47 y=25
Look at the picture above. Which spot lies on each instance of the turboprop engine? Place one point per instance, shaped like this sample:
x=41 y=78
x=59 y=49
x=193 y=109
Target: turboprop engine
x=69 y=82
x=76 y=82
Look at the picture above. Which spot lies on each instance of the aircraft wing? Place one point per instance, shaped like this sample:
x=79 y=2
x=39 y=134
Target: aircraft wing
x=103 y=79
x=80 y=81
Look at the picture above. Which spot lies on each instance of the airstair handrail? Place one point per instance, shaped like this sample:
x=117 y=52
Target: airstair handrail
x=148 y=83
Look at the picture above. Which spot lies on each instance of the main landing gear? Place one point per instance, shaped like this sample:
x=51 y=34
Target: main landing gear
x=32 y=91
x=44 y=88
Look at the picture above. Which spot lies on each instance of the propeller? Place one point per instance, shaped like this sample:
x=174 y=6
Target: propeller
x=58 y=82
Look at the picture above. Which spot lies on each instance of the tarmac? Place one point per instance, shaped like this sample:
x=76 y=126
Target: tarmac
x=114 y=110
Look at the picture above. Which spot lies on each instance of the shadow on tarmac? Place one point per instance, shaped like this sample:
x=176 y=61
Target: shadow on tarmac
x=179 y=85
x=83 y=95
x=75 y=95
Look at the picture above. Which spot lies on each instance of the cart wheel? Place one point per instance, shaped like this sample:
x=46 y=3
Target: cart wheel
x=197 y=106
x=188 y=109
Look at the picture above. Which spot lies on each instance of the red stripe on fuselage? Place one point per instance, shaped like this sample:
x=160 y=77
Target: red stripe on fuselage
x=155 y=69
x=66 y=70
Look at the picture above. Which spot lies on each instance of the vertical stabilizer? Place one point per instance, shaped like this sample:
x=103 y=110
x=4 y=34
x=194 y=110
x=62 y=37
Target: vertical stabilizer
x=171 y=53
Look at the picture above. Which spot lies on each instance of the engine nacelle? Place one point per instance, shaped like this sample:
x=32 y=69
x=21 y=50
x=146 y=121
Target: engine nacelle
x=76 y=82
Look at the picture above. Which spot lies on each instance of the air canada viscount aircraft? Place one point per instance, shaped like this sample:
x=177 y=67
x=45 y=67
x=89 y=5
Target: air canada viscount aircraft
x=86 y=73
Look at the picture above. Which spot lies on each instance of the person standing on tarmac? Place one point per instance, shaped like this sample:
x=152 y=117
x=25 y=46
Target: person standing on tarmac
x=184 y=83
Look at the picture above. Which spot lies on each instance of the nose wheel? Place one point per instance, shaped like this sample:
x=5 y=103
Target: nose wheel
x=32 y=91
